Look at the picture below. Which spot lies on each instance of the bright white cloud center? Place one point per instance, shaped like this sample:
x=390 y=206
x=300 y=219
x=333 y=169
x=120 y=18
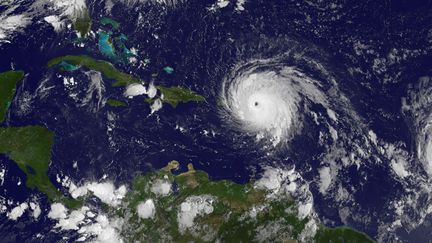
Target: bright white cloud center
x=266 y=103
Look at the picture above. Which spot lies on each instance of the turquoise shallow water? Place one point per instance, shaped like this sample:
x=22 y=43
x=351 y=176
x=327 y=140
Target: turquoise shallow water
x=105 y=45
x=68 y=67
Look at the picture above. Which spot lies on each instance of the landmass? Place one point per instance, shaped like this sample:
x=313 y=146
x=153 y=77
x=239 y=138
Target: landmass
x=170 y=95
x=107 y=69
x=116 y=103
x=166 y=207
x=83 y=22
x=176 y=95
x=189 y=207
x=8 y=82
x=30 y=148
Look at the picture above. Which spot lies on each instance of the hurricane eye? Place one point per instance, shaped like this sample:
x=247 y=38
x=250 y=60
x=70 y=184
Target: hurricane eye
x=266 y=103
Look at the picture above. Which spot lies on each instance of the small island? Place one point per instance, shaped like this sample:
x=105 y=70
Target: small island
x=116 y=103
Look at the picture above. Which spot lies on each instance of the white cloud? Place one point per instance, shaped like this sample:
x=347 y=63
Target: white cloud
x=105 y=191
x=135 y=90
x=36 y=209
x=146 y=209
x=18 y=211
x=73 y=220
x=70 y=8
x=331 y=114
x=399 y=167
x=58 y=211
x=161 y=187
x=304 y=210
x=100 y=229
x=325 y=179
x=309 y=231
x=11 y=24
x=152 y=91
x=55 y=22
x=192 y=207
x=240 y=5
x=399 y=160
x=157 y=105
x=105 y=230
x=273 y=179
x=218 y=5
x=373 y=137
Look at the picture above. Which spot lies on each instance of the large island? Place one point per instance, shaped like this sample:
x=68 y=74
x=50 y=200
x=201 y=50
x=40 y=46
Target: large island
x=170 y=95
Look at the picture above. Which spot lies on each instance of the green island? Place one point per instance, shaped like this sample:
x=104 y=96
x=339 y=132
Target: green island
x=8 y=82
x=106 y=68
x=231 y=212
x=171 y=95
x=116 y=103
x=176 y=95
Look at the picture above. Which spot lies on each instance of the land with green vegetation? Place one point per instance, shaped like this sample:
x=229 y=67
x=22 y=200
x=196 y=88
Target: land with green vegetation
x=8 y=82
x=67 y=67
x=177 y=95
x=30 y=148
x=171 y=95
x=240 y=213
x=83 y=22
x=106 y=68
x=116 y=103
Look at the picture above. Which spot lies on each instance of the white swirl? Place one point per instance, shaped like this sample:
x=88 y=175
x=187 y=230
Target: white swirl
x=264 y=98
x=418 y=107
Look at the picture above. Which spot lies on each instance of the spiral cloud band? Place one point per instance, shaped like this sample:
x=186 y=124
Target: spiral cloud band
x=263 y=98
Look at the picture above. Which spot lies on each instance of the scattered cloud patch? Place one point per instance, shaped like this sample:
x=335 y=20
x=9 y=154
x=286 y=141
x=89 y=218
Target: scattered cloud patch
x=325 y=179
x=161 y=187
x=105 y=191
x=11 y=24
x=89 y=226
x=18 y=211
x=36 y=209
x=58 y=211
x=192 y=207
x=146 y=209
x=55 y=22
x=135 y=90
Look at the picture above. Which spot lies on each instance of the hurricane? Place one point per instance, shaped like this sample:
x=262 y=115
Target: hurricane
x=270 y=98
x=289 y=96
